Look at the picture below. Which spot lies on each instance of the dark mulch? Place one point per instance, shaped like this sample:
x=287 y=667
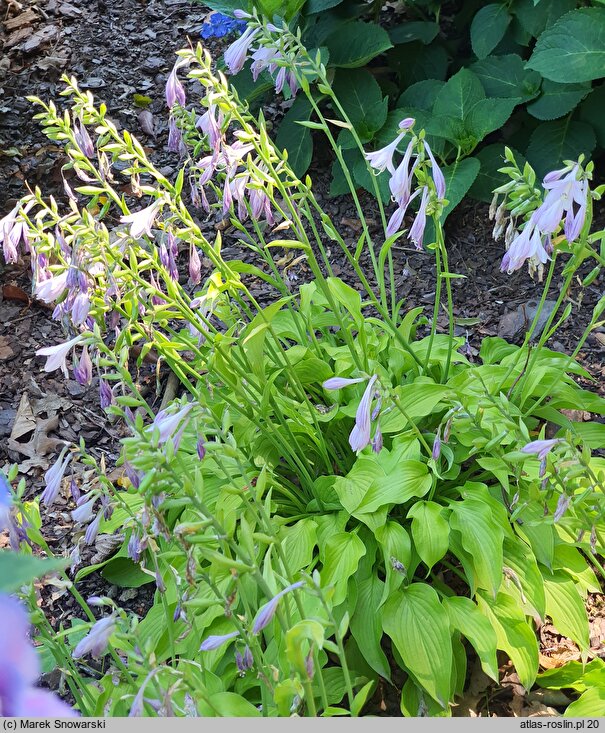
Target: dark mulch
x=119 y=50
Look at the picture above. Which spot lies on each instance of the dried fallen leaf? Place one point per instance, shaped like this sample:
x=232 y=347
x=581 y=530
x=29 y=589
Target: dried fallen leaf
x=13 y=292
x=6 y=351
x=146 y=121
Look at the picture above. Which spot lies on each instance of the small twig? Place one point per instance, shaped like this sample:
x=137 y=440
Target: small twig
x=172 y=384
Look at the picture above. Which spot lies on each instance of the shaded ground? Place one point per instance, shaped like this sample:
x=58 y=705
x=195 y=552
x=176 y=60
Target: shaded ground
x=119 y=50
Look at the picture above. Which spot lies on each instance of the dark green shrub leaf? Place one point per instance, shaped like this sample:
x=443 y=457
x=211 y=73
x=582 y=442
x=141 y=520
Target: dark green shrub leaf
x=506 y=76
x=459 y=178
x=553 y=142
x=297 y=139
x=573 y=49
x=318 y=6
x=419 y=626
x=421 y=95
x=361 y=97
x=459 y=95
x=488 y=28
x=591 y=111
x=557 y=100
x=489 y=115
x=423 y=31
x=416 y=62
x=535 y=17
x=360 y=43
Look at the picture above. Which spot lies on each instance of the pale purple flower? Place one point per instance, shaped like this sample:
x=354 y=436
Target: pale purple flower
x=85 y=511
x=83 y=368
x=526 y=246
x=20 y=669
x=80 y=308
x=201 y=448
x=438 y=177
x=93 y=529
x=241 y=14
x=168 y=423
x=175 y=91
x=195 y=266
x=105 y=394
x=383 y=158
x=210 y=124
x=175 y=136
x=395 y=222
x=266 y=612
x=562 y=506
x=54 y=476
x=51 y=288
x=83 y=140
x=541 y=448
x=244 y=661
x=215 y=641
x=340 y=382
x=97 y=639
x=377 y=440
x=142 y=221
x=360 y=435
x=236 y=54
x=6 y=503
x=416 y=233
x=565 y=193
x=136 y=546
x=437 y=445
x=400 y=182
x=56 y=355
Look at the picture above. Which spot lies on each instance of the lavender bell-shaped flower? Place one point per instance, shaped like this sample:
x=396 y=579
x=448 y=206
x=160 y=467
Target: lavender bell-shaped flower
x=83 y=369
x=6 y=502
x=105 y=394
x=97 y=639
x=54 y=476
x=416 y=233
x=167 y=423
x=175 y=92
x=215 y=641
x=340 y=382
x=142 y=221
x=360 y=435
x=83 y=140
x=195 y=266
x=541 y=448
x=51 y=288
x=236 y=54
x=266 y=612
x=56 y=355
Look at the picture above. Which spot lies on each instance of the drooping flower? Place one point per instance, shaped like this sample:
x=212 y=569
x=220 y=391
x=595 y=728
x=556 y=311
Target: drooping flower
x=567 y=195
x=236 y=54
x=416 y=233
x=97 y=639
x=201 y=448
x=437 y=173
x=51 y=287
x=340 y=382
x=83 y=368
x=54 y=476
x=437 y=445
x=84 y=511
x=56 y=355
x=215 y=641
x=541 y=448
x=266 y=612
x=377 y=441
x=142 y=221
x=175 y=92
x=383 y=158
x=19 y=670
x=360 y=435
x=168 y=422
x=527 y=245
x=93 y=529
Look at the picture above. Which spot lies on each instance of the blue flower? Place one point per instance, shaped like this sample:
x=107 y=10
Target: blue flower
x=221 y=25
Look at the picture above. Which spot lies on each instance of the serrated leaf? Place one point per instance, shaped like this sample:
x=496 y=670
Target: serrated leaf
x=506 y=76
x=535 y=17
x=466 y=618
x=553 y=142
x=415 y=62
x=418 y=30
x=573 y=49
x=430 y=531
x=489 y=115
x=459 y=177
x=421 y=95
x=557 y=100
x=359 y=44
x=459 y=95
x=488 y=28
x=361 y=98
x=419 y=626
x=591 y=111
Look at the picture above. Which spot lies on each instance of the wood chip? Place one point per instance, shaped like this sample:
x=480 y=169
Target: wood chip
x=26 y=18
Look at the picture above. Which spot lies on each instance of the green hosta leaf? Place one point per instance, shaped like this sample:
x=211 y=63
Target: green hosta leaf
x=535 y=17
x=491 y=157
x=430 y=531
x=466 y=617
x=557 y=100
x=591 y=111
x=414 y=31
x=360 y=43
x=297 y=139
x=489 y=115
x=411 y=479
x=416 y=703
x=318 y=6
x=591 y=704
x=573 y=49
x=366 y=623
x=361 y=97
x=488 y=28
x=521 y=569
x=125 y=573
x=515 y=635
x=592 y=433
x=573 y=675
x=553 y=142
x=299 y=541
x=566 y=608
x=481 y=537
x=419 y=626
x=506 y=76
x=227 y=705
x=340 y=557
x=459 y=95
x=416 y=400
x=421 y=96
x=17 y=569
x=396 y=546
